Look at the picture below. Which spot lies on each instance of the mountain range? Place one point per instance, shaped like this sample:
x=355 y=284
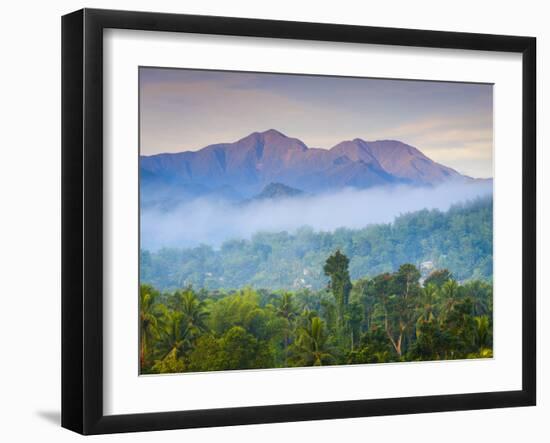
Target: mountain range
x=242 y=169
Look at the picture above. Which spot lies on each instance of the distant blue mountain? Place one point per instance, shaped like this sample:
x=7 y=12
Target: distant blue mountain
x=278 y=190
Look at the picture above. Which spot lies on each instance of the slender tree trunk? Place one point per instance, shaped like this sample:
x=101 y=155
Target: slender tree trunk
x=142 y=353
x=399 y=343
x=396 y=345
x=286 y=348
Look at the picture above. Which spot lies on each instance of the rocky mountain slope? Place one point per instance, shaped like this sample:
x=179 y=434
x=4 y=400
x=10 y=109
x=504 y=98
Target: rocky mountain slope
x=242 y=169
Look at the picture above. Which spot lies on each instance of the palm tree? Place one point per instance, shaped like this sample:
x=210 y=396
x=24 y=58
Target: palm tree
x=174 y=335
x=193 y=313
x=428 y=303
x=311 y=346
x=149 y=321
x=285 y=307
x=427 y=308
x=286 y=310
x=450 y=296
x=477 y=291
x=180 y=325
x=482 y=332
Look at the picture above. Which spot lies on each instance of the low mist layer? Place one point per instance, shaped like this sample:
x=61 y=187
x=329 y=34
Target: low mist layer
x=211 y=221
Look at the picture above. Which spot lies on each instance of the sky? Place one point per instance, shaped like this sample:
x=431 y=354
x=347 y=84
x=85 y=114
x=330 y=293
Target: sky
x=452 y=123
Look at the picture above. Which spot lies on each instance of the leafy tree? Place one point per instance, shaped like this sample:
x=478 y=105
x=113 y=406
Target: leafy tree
x=482 y=332
x=287 y=311
x=362 y=293
x=481 y=294
x=438 y=277
x=459 y=240
x=406 y=281
x=193 y=312
x=387 y=318
x=462 y=328
x=353 y=319
x=428 y=303
x=149 y=324
x=450 y=297
x=336 y=268
x=433 y=342
x=399 y=304
x=235 y=349
x=374 y=347
x=170 y=363
x=311 y=347
x=175 y=336
x=207 y=355
x=238 y=309
x=244 y=351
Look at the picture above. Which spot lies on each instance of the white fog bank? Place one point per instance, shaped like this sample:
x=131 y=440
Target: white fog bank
x=212 y=222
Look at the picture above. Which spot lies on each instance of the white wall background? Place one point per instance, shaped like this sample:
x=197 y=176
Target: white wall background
x=30 y=218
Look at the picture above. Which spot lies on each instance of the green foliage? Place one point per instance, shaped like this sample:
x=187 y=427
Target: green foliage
x=373 y=348
x=149 y=321
x=390 y=317
x=170 y=363
x=336 y=268
x=207 y=355
x=459 y=241
x=311 y=347
x=438 y=277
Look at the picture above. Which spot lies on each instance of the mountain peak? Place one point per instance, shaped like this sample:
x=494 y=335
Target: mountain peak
x=267 y=135
x=272 y=157
x=273 y=133
x=356 y=150
x=407 y=162
x=273 y=138
x=277 y=191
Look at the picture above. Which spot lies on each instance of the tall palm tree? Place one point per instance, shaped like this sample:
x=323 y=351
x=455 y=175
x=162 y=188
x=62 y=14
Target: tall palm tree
x=285 y=306
x=174 y=334
x=478 y=292
x=427 y=309
x=311 y=347
x=193 y=313
x=149 y=321
x=287 y=311
x=450 y=296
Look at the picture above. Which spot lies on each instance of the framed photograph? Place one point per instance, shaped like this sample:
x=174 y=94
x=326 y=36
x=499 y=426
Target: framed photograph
x=269 y=221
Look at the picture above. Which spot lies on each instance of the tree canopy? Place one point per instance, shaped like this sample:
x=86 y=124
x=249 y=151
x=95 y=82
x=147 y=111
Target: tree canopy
x=390 y=317
x=459 y=240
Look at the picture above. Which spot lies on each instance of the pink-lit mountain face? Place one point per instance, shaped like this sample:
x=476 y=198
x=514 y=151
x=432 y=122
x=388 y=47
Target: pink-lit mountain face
x=243 y=168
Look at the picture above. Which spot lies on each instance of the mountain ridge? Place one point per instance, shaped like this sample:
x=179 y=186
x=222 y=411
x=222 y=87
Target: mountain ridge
x=246 y=166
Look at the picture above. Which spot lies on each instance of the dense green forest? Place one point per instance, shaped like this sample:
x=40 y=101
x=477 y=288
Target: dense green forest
x=460 y=239
x=390 y=317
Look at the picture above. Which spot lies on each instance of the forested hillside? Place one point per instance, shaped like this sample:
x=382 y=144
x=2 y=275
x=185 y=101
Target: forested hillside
x=460 y=240
x=389 y=318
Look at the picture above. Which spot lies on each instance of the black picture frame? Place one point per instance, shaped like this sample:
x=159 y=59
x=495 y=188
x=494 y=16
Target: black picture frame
x=82 y=219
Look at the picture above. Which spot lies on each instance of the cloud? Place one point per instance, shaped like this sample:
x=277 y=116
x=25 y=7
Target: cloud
x=211 y=222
